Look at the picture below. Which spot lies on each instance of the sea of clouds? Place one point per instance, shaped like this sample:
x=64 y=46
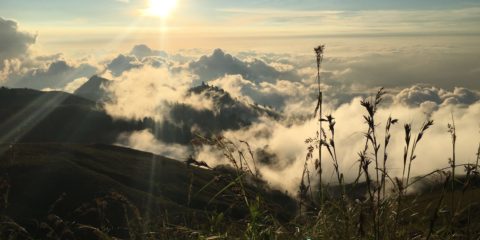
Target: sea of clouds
x=441 y=83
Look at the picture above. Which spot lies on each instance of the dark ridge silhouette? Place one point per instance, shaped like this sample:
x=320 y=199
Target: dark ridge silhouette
x=34 y=116
x=183 y=121
x=227 y=114
x=68 y=180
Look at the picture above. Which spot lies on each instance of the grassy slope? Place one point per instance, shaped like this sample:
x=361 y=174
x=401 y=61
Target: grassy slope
x=40 y=173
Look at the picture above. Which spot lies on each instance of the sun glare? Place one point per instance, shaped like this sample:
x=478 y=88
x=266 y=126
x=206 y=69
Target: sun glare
x=161 y=8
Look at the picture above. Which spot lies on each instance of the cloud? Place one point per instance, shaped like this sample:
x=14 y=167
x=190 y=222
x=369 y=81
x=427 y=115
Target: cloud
x=288 y=80
x=14 y=45
x=141 y=51
x=72 y=86
x=444 y=68
x=20 y=68
x=418 y=94
x=424 y=83
x=355 y=22
x=283 y=140
x=449 y=69
x=431 y=81
x=220 y=64
x=146 y=92
x=54 y=75
x=276 y=94
x=146 y=141
x=148 y=84
x=49 y=58
x=138 y=57
x=122 y=64
x=284 y=143
x=461 y=95
x=9 y=67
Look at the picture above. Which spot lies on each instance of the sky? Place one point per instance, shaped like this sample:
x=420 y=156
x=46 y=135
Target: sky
x=425 y=53
x=82 y=26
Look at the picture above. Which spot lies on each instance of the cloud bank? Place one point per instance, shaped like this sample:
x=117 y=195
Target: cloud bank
x=14 y=45
x=278 y=144
x=424 y=82
x=284 y=143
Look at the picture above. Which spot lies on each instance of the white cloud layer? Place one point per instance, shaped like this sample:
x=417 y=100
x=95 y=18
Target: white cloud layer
x=146 y=141
x=147 y=92
x=286 y=142
x=425 y=82
x=145 y=89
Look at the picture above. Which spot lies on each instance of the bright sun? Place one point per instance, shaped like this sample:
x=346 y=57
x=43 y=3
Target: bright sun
x=161 y=8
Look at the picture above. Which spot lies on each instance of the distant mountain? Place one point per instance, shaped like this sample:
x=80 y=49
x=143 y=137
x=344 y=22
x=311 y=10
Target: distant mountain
x=182 y=120
x=224 y=101
x=34 y=116
x=94 y=89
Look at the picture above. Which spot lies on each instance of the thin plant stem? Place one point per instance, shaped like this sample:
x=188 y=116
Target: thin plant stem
x=319 y=56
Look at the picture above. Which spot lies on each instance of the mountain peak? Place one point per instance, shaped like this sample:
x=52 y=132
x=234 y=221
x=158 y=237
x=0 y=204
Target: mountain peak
x=94 y=89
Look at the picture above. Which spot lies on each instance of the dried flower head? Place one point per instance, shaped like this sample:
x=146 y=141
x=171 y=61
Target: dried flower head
x=319 y=53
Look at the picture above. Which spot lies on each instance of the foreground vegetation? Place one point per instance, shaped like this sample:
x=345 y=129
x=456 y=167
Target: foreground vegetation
x=442 y=204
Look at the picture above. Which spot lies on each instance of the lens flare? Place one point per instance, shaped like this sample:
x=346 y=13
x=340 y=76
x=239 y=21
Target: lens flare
x=161 y=8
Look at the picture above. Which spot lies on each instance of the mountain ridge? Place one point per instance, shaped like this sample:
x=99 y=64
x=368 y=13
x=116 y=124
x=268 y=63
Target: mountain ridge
x=68 y=180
